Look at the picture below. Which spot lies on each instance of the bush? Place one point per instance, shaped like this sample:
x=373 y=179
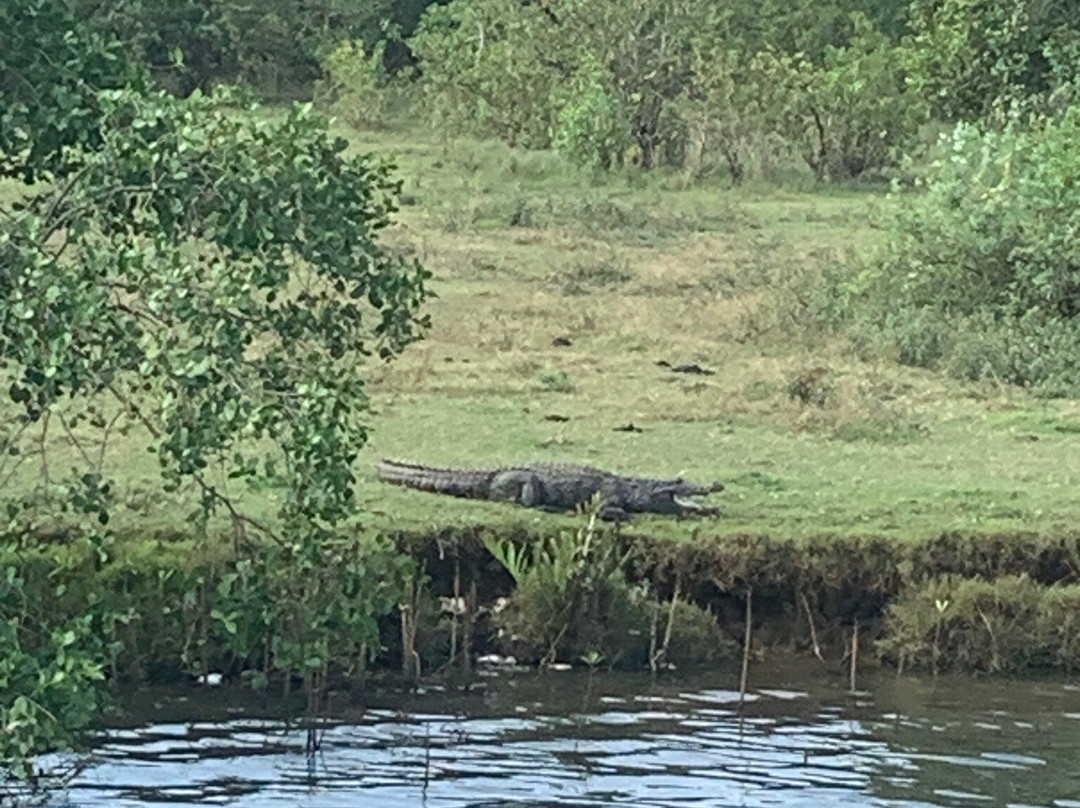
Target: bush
x=354 y=85
x=981 y=274
x=592 y=129
x=1006 y=625
x=849 y=115
x=696 y=638
x=972 y=59
x=48 y=685
x=724 y=106
x=572 y=601
x=595 y=77
x=485 y=69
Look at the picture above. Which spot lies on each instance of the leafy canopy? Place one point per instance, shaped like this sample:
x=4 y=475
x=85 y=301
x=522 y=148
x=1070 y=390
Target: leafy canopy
x=972 y=58
x=665 y=81
x=208 y=283
x=51 y=73
x=849 y=114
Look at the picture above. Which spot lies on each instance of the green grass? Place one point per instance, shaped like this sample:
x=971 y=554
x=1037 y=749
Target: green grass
x=661 y=271
x=635 y=269
x=10 y=192
x=965 y=475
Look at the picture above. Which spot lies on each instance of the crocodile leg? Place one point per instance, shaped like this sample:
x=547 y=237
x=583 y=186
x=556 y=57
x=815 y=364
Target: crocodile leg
x=613 y=513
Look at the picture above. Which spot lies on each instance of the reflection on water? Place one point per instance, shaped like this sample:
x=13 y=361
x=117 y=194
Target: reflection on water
x=559 y=740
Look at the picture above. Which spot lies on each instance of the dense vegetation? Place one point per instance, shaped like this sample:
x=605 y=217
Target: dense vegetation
x=981 y=273
x=191 y=279
x=209 y=286
x=851 y=89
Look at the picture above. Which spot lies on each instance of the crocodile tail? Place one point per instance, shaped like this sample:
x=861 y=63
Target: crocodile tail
x=472 y=484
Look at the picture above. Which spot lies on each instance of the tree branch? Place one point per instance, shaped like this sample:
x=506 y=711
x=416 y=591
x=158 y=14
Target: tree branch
x=206 y=487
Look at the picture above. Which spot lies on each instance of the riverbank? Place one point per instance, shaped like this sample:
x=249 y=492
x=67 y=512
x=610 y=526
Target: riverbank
x=939 y=515
x=653 y=327
x=1005 y=603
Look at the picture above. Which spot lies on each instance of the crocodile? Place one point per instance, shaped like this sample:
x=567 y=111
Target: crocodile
x=556 y=487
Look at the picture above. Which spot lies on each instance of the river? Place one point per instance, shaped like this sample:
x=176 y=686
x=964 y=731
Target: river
x=568 y=739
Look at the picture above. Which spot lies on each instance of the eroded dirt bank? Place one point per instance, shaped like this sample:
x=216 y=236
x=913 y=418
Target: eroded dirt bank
x=975 y=603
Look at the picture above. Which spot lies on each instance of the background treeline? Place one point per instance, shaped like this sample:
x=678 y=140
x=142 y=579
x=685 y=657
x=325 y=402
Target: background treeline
x=275 y=47
x=734 y=85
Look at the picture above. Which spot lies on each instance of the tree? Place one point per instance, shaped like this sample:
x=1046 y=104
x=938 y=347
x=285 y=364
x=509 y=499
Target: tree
x=275 y=47
x=592 y=127
x=354 y=87
x=214 y=285
x=510 y=69
x=184 y=44
x=646 y=47
x=970 y=58
x=804 y=26
x=849 y=115
x=489 y=68
x=667 y=75
x=726 y=105
x=52 y=71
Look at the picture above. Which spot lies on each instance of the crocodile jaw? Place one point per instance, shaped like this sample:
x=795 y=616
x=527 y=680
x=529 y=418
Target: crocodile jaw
x=690 y=506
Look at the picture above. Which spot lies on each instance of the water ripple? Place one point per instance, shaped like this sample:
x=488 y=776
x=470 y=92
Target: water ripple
x=679 y=749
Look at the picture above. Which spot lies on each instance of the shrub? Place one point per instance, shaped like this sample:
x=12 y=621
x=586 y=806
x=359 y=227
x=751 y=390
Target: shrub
x=596 y=76
x=849 y=115
x=354 y=85
x=1005 y=625
x=981 y=274
x=48 y=683
x=696 y=638
x=724 y=106
x=572 y=600
x=553 y=380
x=971 y=59
x=592 y=129
x=485 y=69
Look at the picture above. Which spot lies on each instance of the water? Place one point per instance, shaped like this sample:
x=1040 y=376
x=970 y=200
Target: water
x=561 y=739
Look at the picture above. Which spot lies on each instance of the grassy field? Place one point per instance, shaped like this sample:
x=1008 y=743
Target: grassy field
x=632 y=271
x=559 y=295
